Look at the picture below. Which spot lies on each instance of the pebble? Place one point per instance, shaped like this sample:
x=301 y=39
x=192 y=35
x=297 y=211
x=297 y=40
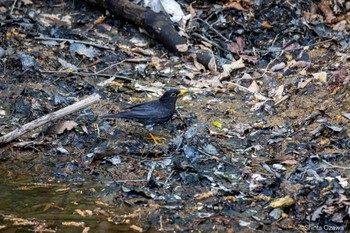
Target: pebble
x=210 y=149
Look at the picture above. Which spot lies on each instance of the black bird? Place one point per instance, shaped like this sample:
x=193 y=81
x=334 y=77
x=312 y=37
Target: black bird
x=153 y=112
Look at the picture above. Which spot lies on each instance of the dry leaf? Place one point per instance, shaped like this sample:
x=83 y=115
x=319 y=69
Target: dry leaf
x=191 y=10
x=240 y=43
x=156 y=88
x=182 y=47
x=254 y=87
x=282 y=203
x=321 y=76
x=73 y=224
x=136 y=228
x=206 y=195
x=234 y=5
x=234 y=48
x=100 y=20
x=228 y=68
x=290 y=162
x=303 y=83
x=252 y=59
x=278 y=94
x=27 y=2
x=279 y=66
x=265 y=24
x=212 y=64
x=326 y=10
x=60 y=127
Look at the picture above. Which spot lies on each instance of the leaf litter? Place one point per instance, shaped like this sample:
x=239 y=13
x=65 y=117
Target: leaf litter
x=265 y=126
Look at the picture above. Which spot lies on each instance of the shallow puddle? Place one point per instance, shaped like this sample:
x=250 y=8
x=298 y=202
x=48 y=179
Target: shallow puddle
x=26 y=206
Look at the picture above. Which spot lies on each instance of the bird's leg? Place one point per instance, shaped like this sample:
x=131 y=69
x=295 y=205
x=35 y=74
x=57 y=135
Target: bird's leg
x=155 y=138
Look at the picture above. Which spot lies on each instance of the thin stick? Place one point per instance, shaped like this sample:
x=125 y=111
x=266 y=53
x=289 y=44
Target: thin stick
x=124 y=181
x=281 y=53
x=92 y=99
x=13 y=6
x=335 y=166
x=289 y=50
x=76 y=41
x=212 y=28
x=87 y=74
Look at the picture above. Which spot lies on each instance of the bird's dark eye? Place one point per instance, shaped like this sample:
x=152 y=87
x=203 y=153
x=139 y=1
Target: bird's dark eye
x=173 y=94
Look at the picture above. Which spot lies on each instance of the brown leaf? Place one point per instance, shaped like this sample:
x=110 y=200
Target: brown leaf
x=326 y=10
x=278 y=66
x=300 y=64
x=238 y=46
x=280 y=159
x=234 y=5
x=212 y=64
x=182 y=47
x=265 y=24
x=191 y=10
x=240 y=43
x=136 y=228
x=251 y=59
x=341 y=26
x=27 y=2
x=290 y=162
x=60 y=127
x=100 y=20
x=206 y=195
x=254 y=87
x=337 y=78
x=234 y=48
x=282 y=203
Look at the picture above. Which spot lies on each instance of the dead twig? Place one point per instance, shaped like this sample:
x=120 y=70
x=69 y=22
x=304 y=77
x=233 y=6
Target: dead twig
x=282 y=99
x=258 y=94
x=13 y=6
x=335 y=166
x=124 y=181
x=92 y=99
x=210 y=42
x=281 y=53
x=134 y=60
x=88 y=74
x=287 y=50
x=76 y=41
x=212 y=28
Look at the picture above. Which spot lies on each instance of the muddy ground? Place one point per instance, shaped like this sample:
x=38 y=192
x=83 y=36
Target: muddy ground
x=263 y=147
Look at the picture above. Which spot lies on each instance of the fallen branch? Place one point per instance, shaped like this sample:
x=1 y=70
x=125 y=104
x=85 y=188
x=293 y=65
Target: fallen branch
x=49 y=117
x=157 y=25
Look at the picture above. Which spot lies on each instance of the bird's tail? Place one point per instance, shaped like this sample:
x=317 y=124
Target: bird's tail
x=117 y=115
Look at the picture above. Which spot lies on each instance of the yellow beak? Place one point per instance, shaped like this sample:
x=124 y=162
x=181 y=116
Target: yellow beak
x=182 y=92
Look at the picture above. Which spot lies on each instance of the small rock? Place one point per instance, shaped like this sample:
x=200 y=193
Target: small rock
x=62 y=150
x=191 y=132
x=27 y=61
x=2 y=52
x=243 y=223
x=210 y=149
x=279 y=167
x=90 y=155
x=276 y=213
x=190 y=151
x=115 y=160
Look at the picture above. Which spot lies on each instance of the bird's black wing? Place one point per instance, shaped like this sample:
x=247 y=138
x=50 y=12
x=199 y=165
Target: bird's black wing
x=152 y=112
